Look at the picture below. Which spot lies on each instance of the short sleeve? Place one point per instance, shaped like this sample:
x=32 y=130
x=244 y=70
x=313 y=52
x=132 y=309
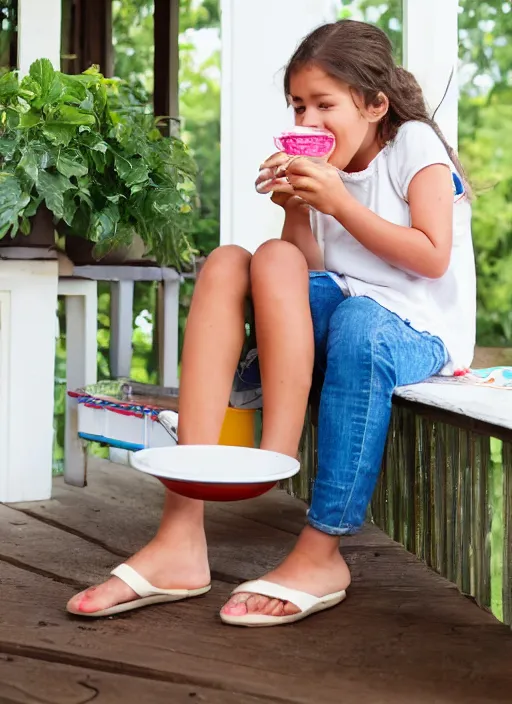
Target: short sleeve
x=415 y=147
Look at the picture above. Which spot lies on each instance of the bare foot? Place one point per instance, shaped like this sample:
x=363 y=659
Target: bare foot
x=166 y=564
x=317 y=572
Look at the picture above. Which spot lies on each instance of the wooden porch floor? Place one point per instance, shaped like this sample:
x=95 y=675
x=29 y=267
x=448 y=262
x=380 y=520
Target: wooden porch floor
x=404 y=634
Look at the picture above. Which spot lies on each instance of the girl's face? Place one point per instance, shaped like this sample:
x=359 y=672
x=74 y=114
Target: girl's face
x=326 y=103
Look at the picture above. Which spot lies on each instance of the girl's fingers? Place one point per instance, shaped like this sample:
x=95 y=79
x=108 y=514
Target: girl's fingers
x=270 y=185
x=276 y=160
x=282 y=186
x=265 y=175
x=302 y=166
x=303 y=183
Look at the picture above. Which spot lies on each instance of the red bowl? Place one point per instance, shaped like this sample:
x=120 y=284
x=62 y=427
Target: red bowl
x=217 y=492
x=216 y=472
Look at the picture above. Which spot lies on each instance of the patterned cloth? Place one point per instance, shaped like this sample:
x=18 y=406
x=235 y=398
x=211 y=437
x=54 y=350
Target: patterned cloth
x=494 y=377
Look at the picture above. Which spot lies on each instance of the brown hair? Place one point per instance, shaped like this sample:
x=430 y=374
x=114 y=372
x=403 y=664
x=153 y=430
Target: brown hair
x=361 y=55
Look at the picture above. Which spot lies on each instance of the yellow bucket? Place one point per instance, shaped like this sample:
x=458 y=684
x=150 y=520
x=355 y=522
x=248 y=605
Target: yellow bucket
x=238 y=428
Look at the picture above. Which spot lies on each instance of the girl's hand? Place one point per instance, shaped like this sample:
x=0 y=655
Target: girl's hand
x=272 y=174
x=314 y=181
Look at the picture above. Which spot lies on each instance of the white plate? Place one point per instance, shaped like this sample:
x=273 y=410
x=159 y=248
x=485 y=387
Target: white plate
x=215 y=464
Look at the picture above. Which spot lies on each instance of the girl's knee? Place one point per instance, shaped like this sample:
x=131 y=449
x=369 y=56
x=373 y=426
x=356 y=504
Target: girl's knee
x=277 y=257
x=226 y=262
x=355 y=328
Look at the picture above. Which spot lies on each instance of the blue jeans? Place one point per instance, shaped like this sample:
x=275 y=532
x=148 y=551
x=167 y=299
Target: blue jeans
x=362 y=352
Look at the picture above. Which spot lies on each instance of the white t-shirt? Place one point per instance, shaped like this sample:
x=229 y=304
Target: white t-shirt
x=445 y=307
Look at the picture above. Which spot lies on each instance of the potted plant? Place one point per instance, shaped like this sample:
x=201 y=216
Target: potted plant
x=88 y=150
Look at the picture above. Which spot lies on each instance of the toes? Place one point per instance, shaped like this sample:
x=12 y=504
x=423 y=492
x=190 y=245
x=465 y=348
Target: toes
x=275 y=608
x=256 y=604
x=243 y=604
x=84 y=601
x=102 y=597
x=290 y=609
x=236 y=606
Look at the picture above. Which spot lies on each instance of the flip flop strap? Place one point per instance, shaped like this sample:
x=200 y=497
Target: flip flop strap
x=302 y=600
x=140 y=585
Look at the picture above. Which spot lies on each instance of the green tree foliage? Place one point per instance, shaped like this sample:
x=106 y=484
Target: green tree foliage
x=199 y=93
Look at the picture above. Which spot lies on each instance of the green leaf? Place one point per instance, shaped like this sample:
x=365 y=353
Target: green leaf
x=29 y=119
x=43 y=73
x=8 y=145
x=46 y=153
x=32 y=207
x=104 y=225
x=29 y=164
x=71 y=164
x=115 y=199
x=9 y=86
x=131 y=171
x=12 y=202
x=88 y=102
x=84 y=196
x=70 y=208
x=100 y=146
x=69 y=115
x=30 y=90
x=122 y=235
x=52 y=188
x=100 y=99
x=25 y=225
x=59 y=134
x=99 y=160
x=73 y=90
x=56 y=90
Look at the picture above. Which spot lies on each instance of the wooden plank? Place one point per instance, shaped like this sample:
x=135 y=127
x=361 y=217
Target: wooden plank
x=492 y=407
x=383 y=647
x=47 y=550
x=404 y=625
x=246 y=539
x=240 y=549
x=32 y=681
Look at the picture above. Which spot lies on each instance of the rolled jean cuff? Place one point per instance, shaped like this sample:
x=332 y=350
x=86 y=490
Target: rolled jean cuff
x=329 y=530
x=336 y=510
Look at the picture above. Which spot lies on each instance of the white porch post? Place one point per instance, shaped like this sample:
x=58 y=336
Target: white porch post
x=28 y=299
x=28 y=305
x=39 y=27
x=257 y=42
x=431 y=44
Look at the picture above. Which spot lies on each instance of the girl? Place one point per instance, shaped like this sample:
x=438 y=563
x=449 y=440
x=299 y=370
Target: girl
x=390 y=301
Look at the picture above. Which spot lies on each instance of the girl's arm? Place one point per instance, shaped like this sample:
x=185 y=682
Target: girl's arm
x=297 y=230
x=423 y=249
x=297 y=226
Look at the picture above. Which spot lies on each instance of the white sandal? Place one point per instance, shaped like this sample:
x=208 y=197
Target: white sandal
x=307 y=603
x=148 y=594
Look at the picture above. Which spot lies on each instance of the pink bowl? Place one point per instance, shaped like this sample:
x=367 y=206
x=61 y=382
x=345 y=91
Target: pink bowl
x=306 y=141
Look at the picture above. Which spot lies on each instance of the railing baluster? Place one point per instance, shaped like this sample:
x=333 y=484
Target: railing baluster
x=507 y=523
